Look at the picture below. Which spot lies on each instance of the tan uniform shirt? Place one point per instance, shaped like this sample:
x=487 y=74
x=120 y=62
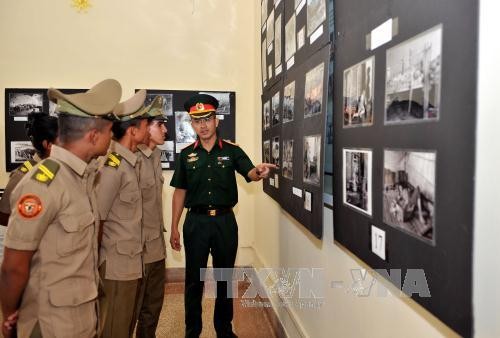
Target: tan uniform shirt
x=120 y=207
x=55 y=219
x=151 y=183
x=14 y=178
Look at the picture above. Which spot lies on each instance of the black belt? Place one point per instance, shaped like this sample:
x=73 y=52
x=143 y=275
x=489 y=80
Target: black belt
x=210 y=211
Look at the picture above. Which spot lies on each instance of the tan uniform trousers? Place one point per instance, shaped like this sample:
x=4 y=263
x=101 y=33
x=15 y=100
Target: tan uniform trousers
x=117 y=305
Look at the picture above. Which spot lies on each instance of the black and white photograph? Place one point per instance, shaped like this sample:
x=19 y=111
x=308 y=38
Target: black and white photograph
x=224 y=102
x=184 y=133
x=263 y=62
x=357 y=179
x=277 y=41
x=287 y=162
x=266 y=115
x=275 y=109
x=167 y=154
x=290 y=42
x=301 y=38
x=358 y=94
x=21 y=151
x=316 y=14
x=288 y=102
x=413 y=79
x=312 y=159
x=263 y=12
x=307 y=200
x=313 y=93
x=267 y=151
x=23 y=103
x=275 y=151
x=270 y=28
x=167 y=102
x=409 y=191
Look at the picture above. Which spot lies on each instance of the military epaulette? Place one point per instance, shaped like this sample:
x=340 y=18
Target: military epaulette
x=113 y=160
x=46 y=171
x=26 y=166
x=232 y=143
x=189 y=145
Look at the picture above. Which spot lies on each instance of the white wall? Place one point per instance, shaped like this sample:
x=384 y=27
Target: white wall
x=486 y=299
x=157 y=44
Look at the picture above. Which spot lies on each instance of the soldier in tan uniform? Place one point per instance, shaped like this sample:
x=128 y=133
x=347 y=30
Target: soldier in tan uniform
x=120 y=208
x=49 y=275
x=152 y=286
x=41 y=129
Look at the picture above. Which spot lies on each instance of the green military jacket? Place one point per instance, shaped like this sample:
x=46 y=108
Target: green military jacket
x=209 y=177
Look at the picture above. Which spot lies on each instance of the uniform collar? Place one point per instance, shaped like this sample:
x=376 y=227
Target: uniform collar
x=145 y=150
x=67 y=157
x=37 y=158
x=124 y=152
x=218 y=142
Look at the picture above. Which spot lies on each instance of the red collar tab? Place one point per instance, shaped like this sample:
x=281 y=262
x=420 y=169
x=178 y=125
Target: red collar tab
x=196 y=144
x=220 y=143
x=201 y=108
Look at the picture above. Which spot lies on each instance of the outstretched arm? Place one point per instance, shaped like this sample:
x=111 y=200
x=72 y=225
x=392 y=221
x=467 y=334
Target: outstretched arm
x=261 y=171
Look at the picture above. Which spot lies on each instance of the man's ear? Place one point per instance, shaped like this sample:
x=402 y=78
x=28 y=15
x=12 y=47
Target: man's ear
x=92 y=136
x=216 y=122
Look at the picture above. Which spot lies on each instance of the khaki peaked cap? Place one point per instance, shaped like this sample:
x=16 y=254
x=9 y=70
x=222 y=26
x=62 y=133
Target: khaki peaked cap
x=98 y=101
x=131 y=108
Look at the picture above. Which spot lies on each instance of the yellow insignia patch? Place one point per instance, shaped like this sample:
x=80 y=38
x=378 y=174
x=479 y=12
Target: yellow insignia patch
x=24 y=169
x=46 y=172
x=113 y=160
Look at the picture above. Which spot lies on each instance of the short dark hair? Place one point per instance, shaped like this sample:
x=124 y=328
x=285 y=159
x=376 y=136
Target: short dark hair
x=41 y=127
x=120 y=127
x=73 y=128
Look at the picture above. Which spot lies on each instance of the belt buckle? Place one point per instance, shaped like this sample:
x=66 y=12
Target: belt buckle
x=212 y=212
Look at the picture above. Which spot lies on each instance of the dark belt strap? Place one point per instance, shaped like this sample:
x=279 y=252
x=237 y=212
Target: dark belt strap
x=210 y=211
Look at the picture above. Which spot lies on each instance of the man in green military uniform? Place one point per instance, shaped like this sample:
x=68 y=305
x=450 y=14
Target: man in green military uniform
x=205 y=183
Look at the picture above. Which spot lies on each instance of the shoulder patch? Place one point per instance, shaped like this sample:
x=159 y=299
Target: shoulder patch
x=232 y=143
x=46 y=171
x=26 y=166
x=113 y=160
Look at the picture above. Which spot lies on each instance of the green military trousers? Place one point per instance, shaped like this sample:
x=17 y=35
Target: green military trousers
x=217 y=235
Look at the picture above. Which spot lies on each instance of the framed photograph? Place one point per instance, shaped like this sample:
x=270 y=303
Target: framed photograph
x=307 y=200
x=21 y=151
x=167 y=102
x=313 y=93
x=312 y=159
x=275 y=109
x=21 y=102
x=275 y=151
x=316 y=14
x=167 y=154
x=277 y=41
x=263 y=63
x=270 y=29
x=301 y=38
x=287 y=163
x=224 y=103
x=357 y=179
x=290 y=36
x=266 y=115
x=263 y=12
x=413 y=79
x=358 y=94
x=288 y=102
x=267 y=151
x=184 y=133
x=409 y=191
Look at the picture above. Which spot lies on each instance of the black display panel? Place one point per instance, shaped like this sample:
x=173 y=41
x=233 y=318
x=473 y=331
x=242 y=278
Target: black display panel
x=404 y=150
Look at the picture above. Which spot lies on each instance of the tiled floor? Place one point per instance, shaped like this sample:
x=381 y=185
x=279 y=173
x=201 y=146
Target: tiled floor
x=249 y=320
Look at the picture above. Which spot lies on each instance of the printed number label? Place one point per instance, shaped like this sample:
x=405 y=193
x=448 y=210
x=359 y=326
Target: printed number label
x=378 y=242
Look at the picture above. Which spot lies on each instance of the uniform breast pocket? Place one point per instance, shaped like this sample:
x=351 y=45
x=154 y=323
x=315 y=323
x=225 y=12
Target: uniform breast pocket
x=128 y=204
x=76 y=233
x=148 y=189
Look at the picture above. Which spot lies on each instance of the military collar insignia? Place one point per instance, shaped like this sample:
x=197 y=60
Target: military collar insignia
x=196 y=144
x=113 y=160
